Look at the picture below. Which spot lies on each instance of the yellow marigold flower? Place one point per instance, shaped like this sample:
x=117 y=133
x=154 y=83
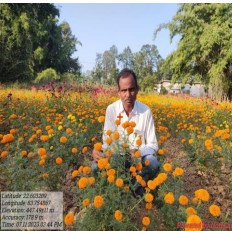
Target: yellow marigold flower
x=209 y=144
x=190 y=211
x=83 y=182
x=98 y=146
x=183 y=200
x=169 y=198
x=91 y=180
x=167 y=167
x=98 y=201
x=190 y=141
x=194 y=222
x=4 y=154
x=74 y=150
x=101 y=119
x=84 y=150
x=146 y=221
x=215 y=210
x=108 y=132
x=118 y=215
x=178 y=172
x=63 y=140
x=115 y=135
x=69 y=219
x=202 y=194
x=148 y=197
x=85 y=202
x=75 y=173
x=119 y=182
x=59 y=160
x=108 y=140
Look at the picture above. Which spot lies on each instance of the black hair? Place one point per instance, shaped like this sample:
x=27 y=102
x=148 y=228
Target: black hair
x=126 y=72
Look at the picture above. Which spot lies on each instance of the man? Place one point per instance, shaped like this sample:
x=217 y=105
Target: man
x=129 y=109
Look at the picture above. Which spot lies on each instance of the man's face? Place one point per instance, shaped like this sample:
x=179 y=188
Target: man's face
x=127 y=91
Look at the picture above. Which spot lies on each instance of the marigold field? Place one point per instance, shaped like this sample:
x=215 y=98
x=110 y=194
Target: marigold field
x=47 y=136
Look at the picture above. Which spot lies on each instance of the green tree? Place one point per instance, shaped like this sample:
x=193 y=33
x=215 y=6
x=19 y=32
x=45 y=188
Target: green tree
x=126 y=58
x=205 y=48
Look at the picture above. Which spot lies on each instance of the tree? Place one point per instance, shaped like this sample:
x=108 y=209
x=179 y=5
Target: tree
x=126 y=58
x=205 y=49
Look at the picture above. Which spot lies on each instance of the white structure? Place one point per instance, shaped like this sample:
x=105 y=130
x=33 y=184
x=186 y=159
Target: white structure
x=196 y=89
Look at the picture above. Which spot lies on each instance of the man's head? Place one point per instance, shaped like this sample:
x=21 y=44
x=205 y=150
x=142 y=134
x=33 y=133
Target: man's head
x=127 y=88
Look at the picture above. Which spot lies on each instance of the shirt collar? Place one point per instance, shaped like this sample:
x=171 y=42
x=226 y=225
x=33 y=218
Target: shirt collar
x=135 y=109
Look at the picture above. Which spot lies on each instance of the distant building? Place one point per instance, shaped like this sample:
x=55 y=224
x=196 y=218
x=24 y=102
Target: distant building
x=196 y=89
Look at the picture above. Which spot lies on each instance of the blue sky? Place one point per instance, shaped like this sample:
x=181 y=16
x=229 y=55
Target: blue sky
x=98 y=26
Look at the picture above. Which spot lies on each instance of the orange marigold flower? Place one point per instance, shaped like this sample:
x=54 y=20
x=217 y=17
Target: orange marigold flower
x=151 y=184
x=132 y=124
x=108 y=140
x=98 y=201
x=117 y=122
x=101 y=119
x=69 y=131
x=226 y=136
x=98 y=146
x=85 y=202
x=202 y=194
x=102 y=163
x=178 y=172
x=110 y=178
x=74 y=150
x=190 y=211
x=148 y=206
x=23 y=153
x=111 y=172
x=118 y=215
x=119 y=182
x=146 y=221
x=108 y=132
x=44 y=138
x=115 y=135
x=129 y=130
x=147 y=162
x=160 y=151
x=194 y=221
x=132 y=169
x=126 y=189
x=59 y=160
x=148 y=197
x=4 y=154
x=87 y=170
x=209 y=144
x=167 y=167
x=91 y=180
x=83 y=182
x=7 y=138
x=13 y=116
x=75 y=173
x=183 y=200
x=45 y=175
x=41 y=162
x=84 y=150
x=125 y=124
x=190 y=141
x=138 y=142
x=215 y=210
x=69 y=219
x=137 y=154
x=63 y=140
x=169 y=198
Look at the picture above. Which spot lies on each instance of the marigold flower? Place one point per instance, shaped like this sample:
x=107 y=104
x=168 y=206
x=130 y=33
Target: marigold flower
x=117 y=122
x=115 y=135
x=98 y=146
x=45 y=175
x=148 y=197
x=4 y=154
x=85 y=202
x=139 y=166
x=101 y=119
x=190 y=211
x=147 y=162
x=151 y=184
x=178 y=172
x=215 y=210
x=69 y=131
x=129 y=130
x=137 y=154
x=226 y=136
x=167 y=167
x=75 y=173
x=74 y=150
x=44 y=138
x=41 y=162
x=138 y=142
x=209 y=144
x=111 y=172
x=13 y=116
x=110 y=178
x=84 y=150
x=132 y=169
x=132 y=124
x=119 y=182
x=7 y=138
x=108 y=140
x=102 y=163
x=193 y=221
x=126 y=189
x=183 y=200
x=87 y=170
x=146 y=221
x=83 y=182
x=23 y=153
x=98 y=201
x=160 y=151
x=125 y=145
x=148 y=206
x=169 y=198
x=125 y=124
x=202 y=194
x=59 y=160
x=118 y=215
x=69 y=219
x=91 y=180
x=63 y=140
x=190 y=141
x=108 y=132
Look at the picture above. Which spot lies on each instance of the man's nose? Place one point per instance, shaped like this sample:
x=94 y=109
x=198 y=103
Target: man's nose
x=128 y=93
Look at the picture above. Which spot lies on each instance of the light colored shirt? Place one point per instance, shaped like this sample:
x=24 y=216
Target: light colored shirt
x=142 y=116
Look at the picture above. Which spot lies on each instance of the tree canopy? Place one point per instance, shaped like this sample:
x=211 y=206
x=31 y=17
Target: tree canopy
x=204 y=52
x=32 y=41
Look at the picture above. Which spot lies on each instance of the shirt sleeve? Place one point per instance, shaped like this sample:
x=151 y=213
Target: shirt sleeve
x=151 y=144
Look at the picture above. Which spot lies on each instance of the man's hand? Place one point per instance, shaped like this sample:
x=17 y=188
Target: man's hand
x=97 y=155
